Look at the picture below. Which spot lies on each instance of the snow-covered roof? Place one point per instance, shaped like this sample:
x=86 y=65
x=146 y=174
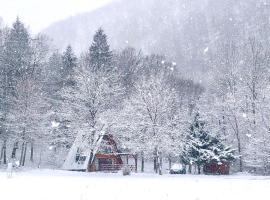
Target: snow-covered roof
x=70 y=163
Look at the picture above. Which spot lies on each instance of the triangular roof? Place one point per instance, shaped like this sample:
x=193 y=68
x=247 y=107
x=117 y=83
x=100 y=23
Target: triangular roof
x=70 y=162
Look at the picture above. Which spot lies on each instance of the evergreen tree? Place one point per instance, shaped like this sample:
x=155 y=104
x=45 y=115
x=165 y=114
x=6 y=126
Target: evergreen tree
x=67 y=70
x=4 y=134
x=203 y=148
x=100 y=56
x=15 y=61
x=17 y=50
x=53 y=74
x=62 y=78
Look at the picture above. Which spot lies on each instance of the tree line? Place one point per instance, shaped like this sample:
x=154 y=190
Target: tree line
x=48 y=98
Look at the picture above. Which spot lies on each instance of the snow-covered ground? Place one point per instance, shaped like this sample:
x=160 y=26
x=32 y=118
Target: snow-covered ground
x=63 y=185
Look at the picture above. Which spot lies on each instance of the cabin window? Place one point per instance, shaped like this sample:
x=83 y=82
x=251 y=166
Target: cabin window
x=81 y=160
x=77 y=156
x=107 y=149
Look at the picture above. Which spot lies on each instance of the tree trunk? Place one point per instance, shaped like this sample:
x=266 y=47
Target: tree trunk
x=239 y=146
x=136 y=163
x=240 y=164
x=1 y=155
x=5 y=152
x=189 y=168
x=142 y=166
x=156 y=161
x=15 y=147
x=199 y=169
x=22 y=152
x=39 y=162
x=90 y=161
x=170 y=161
x=32 y=153
x=155 y=164
x=159 y=163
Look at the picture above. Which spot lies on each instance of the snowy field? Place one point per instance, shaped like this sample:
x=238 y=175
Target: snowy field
x=62 y=185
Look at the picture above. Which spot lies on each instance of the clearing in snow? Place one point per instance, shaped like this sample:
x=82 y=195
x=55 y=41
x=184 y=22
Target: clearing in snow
x=58 y=185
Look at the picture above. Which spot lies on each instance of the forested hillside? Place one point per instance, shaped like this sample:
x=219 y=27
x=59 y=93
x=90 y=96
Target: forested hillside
x=187 y=32
x=171 y=81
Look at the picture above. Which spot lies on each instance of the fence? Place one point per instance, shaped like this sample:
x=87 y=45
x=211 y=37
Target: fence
x=114 y=167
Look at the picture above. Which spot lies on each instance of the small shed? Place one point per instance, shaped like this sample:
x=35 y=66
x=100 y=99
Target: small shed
x=217 y=168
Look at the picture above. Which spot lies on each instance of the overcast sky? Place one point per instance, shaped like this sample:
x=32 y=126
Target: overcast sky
x=38 y=14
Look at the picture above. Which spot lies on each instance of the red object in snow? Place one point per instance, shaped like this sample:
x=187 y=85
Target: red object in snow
x=216 y=168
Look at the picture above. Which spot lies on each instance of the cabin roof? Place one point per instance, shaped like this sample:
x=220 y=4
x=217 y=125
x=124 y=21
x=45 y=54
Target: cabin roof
x=71 y=164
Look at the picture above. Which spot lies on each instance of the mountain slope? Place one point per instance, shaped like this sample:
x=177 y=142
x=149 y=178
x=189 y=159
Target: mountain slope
x=185 y=31
x=141 y=24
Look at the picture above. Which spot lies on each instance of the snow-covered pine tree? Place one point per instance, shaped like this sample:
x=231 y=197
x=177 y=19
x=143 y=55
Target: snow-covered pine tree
x=53 y=78
x=203 y=148
x=17 y=49
x=28 y=114
x=100 y=56
x=67 y=70
x=15 y=61
x=4 y=97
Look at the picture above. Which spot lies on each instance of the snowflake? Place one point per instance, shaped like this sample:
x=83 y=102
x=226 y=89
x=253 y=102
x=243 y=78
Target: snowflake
x=206 y=50
x=55 y=124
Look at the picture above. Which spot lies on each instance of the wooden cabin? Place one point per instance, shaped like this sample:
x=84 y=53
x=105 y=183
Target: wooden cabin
x=108 y=158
